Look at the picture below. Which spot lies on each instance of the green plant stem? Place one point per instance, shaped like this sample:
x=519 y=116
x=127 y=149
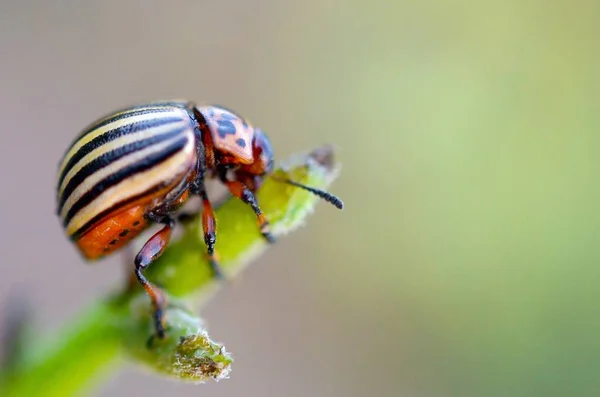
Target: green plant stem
x=59 y=366
x=118 y=328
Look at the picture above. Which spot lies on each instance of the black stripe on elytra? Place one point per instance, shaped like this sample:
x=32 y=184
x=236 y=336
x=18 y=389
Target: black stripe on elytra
x=116 y=207
x=111 y=135
x=110 y=157
x=147 y=163
x=134 y=110
x=144 y=109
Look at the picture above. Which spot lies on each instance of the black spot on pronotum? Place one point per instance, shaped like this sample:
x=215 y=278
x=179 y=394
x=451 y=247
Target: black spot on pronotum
x=241 y=143
x=136 y=223
x=124 y=233
x=225 y=128
x=228 y=116
x=113 y=242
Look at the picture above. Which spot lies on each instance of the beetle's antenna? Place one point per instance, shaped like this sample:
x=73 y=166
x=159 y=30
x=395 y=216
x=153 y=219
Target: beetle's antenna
x=330 y=198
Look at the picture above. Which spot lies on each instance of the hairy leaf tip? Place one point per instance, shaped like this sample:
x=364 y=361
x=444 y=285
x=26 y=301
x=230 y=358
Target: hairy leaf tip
x=197 y=359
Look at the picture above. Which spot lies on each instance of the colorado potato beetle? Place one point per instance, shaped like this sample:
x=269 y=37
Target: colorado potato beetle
x=137 y=166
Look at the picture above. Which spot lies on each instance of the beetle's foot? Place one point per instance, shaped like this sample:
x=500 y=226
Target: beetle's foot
x=159 y=334
x=159 y=323
x=265 y=230
x=216 y=268
x=269 y=238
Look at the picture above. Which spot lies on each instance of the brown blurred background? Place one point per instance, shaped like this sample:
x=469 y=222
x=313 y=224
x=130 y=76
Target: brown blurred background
x=466 y=261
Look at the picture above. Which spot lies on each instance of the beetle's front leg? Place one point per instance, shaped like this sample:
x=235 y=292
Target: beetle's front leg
x=241 y=191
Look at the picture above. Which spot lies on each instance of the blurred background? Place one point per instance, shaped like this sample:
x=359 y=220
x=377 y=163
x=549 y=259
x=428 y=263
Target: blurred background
x=466 y=260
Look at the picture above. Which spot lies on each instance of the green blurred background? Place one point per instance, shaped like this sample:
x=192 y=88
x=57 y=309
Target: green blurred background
x=466 y=260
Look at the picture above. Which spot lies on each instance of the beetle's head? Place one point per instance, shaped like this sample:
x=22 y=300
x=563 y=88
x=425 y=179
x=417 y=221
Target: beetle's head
x=262 y=154
x=263 y=161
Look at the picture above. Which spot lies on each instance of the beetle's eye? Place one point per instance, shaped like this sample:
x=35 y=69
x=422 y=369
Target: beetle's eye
x=266 y=163
x=262 y=145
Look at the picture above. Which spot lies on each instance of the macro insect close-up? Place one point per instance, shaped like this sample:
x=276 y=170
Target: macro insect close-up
x=139 y=165
x=311 y=198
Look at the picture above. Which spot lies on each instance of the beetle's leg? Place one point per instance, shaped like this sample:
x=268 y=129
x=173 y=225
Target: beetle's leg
x=154 y=248
x=241 y=191
x=209 y=226
x=159 y=215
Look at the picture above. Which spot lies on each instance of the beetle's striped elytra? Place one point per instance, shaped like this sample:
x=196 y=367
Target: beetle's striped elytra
x=137 y=166
x=122 y=158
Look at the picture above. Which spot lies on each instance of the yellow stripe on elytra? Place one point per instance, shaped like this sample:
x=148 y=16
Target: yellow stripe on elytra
x=151 y=106
x=114 y=125
x=112 y=168
x=172 y=168
x=119 y=142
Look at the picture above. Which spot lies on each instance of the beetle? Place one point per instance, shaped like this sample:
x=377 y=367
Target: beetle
x=137 y=166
